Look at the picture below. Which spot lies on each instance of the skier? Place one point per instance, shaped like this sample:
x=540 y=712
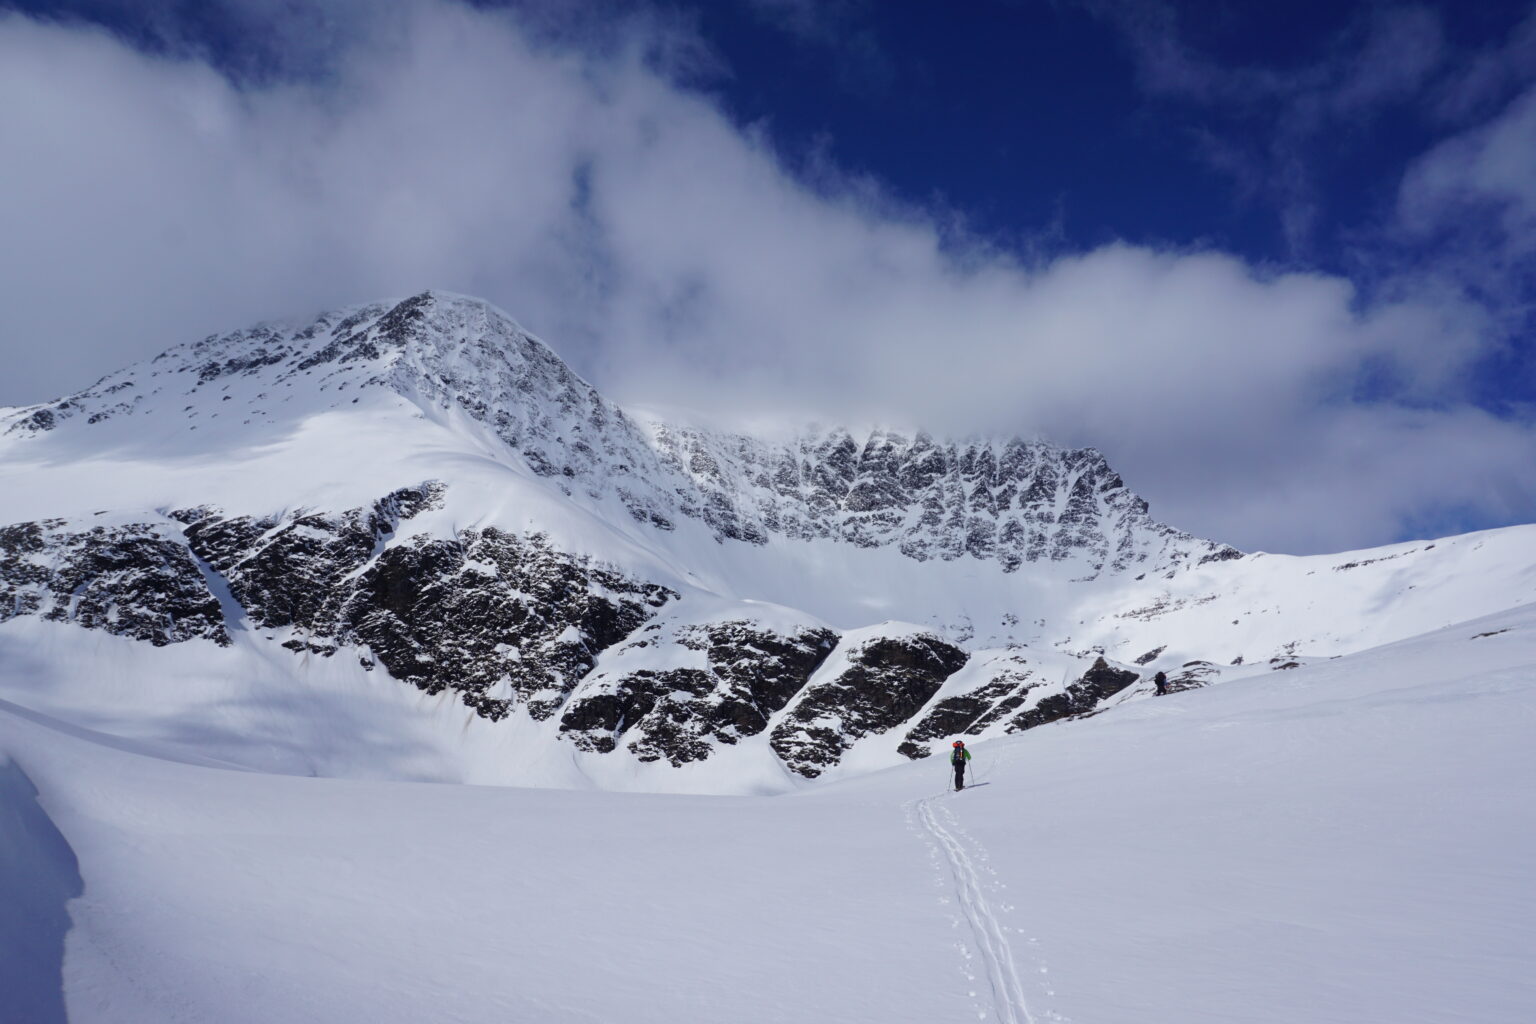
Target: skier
x=957 y=757
x=1162 y=683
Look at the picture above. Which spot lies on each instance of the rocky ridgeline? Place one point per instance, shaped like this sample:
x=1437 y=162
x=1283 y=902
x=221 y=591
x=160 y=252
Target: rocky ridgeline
x=499 y=619
x=877 y=685
x=509 y=622
x=702 y=685
x=132 y=580
x=1011 y=501
x=1015 y=691
x=495 y=617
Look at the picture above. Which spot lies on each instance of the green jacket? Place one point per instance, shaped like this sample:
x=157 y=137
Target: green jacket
x=959 y=755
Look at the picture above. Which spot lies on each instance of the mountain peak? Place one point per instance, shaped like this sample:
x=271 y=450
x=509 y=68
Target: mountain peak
x=392 y=343
x=464 y=365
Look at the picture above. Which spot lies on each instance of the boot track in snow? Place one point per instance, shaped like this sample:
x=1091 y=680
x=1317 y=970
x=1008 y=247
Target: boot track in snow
x=1007 y=992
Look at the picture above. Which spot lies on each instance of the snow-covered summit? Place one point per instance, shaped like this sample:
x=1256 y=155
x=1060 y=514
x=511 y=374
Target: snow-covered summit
x=406 y=543
x=420 y=492
x=468 y=366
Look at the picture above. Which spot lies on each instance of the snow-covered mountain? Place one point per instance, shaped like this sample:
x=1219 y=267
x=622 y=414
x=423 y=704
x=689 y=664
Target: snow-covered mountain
x=416 y=507
x=406 y=543
x=449 y=358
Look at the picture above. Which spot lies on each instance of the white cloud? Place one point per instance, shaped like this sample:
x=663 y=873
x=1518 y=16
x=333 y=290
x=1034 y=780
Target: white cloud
x=671 y=257
x=1492 y=167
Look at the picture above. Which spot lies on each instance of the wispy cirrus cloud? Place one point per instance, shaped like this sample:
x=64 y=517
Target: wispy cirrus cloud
x=1489 y=170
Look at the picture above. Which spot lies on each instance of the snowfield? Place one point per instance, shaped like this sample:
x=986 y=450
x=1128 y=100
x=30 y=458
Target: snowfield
x=360 y=531
x=1347 y=841
x=376 y=668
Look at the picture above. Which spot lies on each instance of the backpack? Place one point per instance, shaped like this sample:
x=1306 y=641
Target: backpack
x=957 y=756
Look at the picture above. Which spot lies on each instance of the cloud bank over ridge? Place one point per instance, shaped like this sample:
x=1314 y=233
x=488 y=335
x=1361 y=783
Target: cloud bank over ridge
x=597 y=193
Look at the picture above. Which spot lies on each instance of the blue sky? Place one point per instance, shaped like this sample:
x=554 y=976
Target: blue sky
x=1275 y=260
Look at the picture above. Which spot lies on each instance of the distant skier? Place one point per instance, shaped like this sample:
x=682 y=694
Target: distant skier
x=1162 y=683
x=957 y=757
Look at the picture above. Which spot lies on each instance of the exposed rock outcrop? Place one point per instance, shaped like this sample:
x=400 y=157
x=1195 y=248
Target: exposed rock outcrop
x=494 y=616
x=508 y=621
x=1011 y=501
x=1017 y=692
x=877 y=685
x=295 y=572
x=130 y=580
x=1008 y=680
x=729 y=679
x=1099 y=682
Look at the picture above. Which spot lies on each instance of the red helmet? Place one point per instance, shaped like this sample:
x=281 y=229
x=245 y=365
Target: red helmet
x=958 y=743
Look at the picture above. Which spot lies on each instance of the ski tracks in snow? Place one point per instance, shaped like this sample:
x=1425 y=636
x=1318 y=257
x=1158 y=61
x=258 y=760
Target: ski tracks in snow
x=991 y=939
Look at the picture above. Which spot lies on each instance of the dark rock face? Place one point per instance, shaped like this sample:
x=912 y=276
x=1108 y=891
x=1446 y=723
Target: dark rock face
x=1009 y=681
x=1193 y=675
x=39 y=421
x=495 y=617
x=1010 y=500
x=750 y=673
x=1225 y=553
x=504 y=620
x=490 y=613
x=955 y=715
x=128 y=580
x=1081 y=697
x=760 y=672
x=657 y=706
x=292 y=573
x=887 y=680
x=1009 y=687
x=993 y=501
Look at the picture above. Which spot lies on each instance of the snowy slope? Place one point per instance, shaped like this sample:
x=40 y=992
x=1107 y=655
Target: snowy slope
x=378 y=668
x=1336 y=843
x=413 y=517
x=456 y=385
